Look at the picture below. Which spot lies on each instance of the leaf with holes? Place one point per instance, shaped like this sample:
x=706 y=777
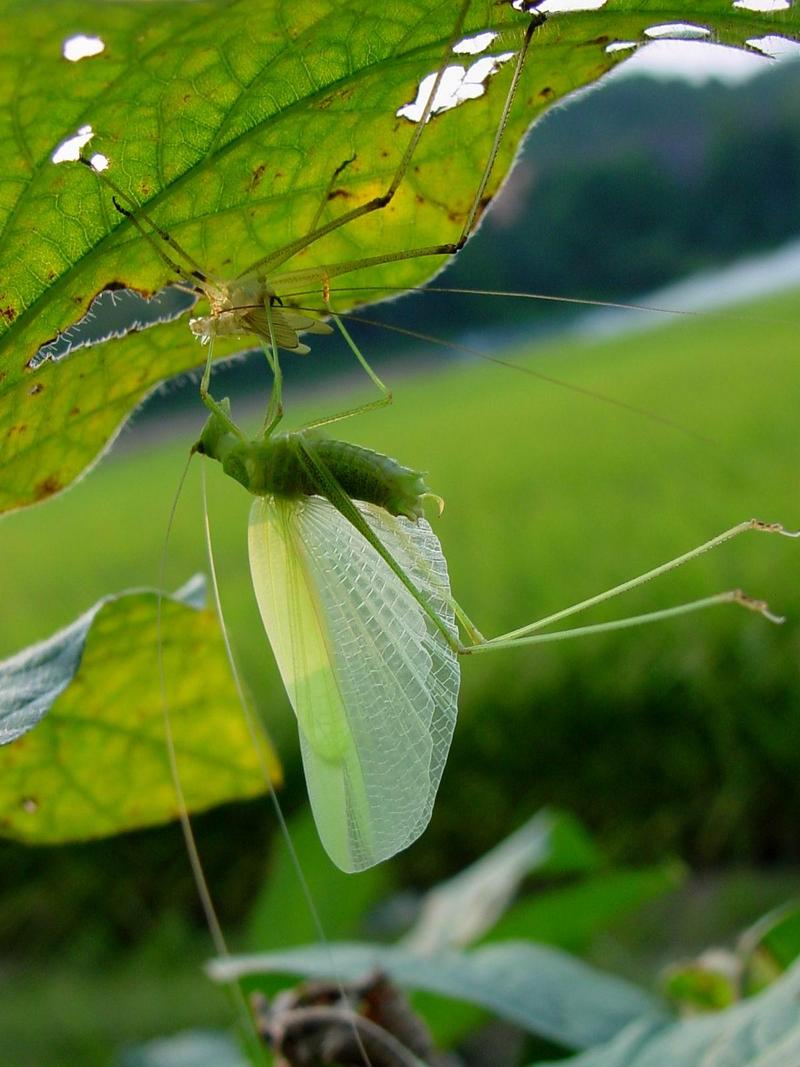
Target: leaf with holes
x=82 y=728
x=229 y=123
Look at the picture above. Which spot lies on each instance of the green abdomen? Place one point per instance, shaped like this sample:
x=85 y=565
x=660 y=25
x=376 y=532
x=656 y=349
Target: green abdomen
x=294 y=465
x=373 y=477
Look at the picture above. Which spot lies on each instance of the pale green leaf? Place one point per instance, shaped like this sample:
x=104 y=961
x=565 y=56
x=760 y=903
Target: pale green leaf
x=193 y=1048
x=540 y=989
x=762 y=1032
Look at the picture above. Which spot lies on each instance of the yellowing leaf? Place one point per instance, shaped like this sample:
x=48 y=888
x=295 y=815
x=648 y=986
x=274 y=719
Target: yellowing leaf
x=82 y=715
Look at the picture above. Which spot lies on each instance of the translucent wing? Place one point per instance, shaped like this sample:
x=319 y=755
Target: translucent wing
x=372 y=681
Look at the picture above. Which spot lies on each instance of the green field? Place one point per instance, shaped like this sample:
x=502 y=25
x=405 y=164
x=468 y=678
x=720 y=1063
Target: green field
x=678 y=738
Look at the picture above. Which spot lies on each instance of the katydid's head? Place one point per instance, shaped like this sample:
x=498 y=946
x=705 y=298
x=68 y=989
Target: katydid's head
x=263 y=465
x=216 y=429
x=219 y=442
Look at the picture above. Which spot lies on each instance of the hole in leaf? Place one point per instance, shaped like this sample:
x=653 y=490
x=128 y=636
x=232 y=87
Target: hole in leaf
x=620 y=46
x=116 y=312
x=774 y=46
x=69 y=151
x=458 y=84
x=677 y=31
x=696 y=62
x=81 y=47
x=474 y=45
x=554 y=7
x=763 y=5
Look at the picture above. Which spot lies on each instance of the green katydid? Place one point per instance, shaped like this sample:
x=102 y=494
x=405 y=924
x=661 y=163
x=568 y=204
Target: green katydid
x=355 y=597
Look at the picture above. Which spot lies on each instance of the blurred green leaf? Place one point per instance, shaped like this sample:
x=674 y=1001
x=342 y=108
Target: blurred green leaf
x=709 y=983
x=193 y=1048
x=85 y=709
x=540 y=989
x=770 y=947
x=570 y=916
x=228 y=122
x=461 y=910
x=281 y=915
x=762 y=1032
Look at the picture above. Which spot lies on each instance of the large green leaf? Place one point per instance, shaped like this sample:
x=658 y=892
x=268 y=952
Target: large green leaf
x=570 y=916
x=762 y=1032
x=82 y=726
x=540 y=989
x=227 y=122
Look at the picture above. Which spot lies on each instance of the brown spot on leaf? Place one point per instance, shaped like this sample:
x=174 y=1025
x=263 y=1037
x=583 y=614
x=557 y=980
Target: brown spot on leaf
x=20 y=428
x=75 y=411
x=339 y=94
x=47 y=488
x=8 y=313
x=257 y=175
x=30 y=805
x=3 y=375
x=51 y=274
x=340 y=194
x=602 y=39
x=36 y=389
x=77 y=300
x=546 y=93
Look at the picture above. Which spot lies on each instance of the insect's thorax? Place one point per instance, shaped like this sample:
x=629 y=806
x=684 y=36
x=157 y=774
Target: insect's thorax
x=296 y=465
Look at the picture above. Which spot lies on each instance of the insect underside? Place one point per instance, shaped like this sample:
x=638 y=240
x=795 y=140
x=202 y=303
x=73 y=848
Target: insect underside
x=240 y=310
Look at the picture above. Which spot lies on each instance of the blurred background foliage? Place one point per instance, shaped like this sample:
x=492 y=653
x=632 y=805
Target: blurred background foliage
x=680 y=739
